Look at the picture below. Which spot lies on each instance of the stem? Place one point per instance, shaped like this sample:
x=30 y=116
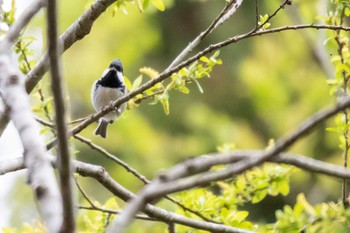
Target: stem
x=64 y=163
x=345 y=188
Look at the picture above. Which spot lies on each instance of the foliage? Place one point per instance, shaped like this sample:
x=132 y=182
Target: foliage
x=303 y=217
x=179 y=81
x=225 y=207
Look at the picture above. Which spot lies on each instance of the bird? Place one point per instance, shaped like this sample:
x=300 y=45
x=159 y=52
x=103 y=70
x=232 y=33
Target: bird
x=107 y=89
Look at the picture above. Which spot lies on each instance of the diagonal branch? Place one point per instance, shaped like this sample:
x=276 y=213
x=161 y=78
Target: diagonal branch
x=167 y=73
x=229 y=9
x=128 y=168
x=189 y=167
x=10 y=38
x=41 y=176
x=169 y=182
x=64 y=164
x=77 y=31
x=99 y=173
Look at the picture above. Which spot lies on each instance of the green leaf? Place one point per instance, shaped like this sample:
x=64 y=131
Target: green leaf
x=137 y=82
x=204 y=59
x=259 y=195
x=165 y=102
x=127 y=83
x=159 y=4
x=283 y=187
x=241 y=215
x=145 y=4
x=199 y=86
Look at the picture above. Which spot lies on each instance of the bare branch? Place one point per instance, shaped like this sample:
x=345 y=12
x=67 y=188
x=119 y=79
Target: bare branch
x=192 y=166
x=10 y=38
x=64 y=164
x=103 y=177
x=99 y=173
x=77 y=31
x=225 y=14
x=108 y=211
x=138 y=175
x=40 y=172
x=169 y=183
x=164 y=75
x=114 y=158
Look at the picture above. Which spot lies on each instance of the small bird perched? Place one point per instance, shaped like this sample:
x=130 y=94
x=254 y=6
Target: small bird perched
x=107 y=89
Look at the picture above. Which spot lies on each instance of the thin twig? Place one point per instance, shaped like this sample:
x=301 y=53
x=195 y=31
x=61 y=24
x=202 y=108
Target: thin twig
x=171 y=227
x=169 y=182
x=344 y=91
x=64 y=163
x=203 y=163
x=112 y=157
x=108 y=211
x=77 y=31
x=197 y=164
x=40 y=173
x=224 y=15
x=256 y=14
x=138 y=175
x=81 y=190
x=164 y=75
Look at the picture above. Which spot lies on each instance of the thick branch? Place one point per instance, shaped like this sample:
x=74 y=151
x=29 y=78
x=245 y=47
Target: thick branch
x=128 y=168
x=169 y=183
x=40 y=172
x=99 y=173
x=64 y=163
x=77 y=31
x=9 y=39
x=164 y=75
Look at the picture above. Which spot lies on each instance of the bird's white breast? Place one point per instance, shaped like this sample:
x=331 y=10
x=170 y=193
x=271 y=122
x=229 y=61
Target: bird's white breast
x=103 y=96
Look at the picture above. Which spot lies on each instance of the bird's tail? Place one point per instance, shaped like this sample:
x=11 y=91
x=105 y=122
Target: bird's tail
x=101 y=129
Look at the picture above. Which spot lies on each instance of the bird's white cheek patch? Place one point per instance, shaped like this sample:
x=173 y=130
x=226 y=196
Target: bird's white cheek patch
x=120 y=76
x=105 y=72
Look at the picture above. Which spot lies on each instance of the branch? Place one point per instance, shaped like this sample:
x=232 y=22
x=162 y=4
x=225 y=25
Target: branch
x=104 y=178
x=64 y=164
x=99 y=173
x=167 y=73
x=77 y=31
x=168 y=183
x=225 y=14
x=108 y=211
x=40 y=172
x=128 y=168
x=9 y=39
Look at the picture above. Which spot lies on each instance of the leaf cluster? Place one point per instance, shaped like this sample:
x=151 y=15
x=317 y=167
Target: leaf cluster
x=179 y=81
x=303 y=217
x=225 y=206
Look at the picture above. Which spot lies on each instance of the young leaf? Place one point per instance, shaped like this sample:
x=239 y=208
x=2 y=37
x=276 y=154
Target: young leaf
x=159 y=4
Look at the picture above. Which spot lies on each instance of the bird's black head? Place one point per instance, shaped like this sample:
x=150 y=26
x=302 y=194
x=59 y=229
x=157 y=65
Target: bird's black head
x=117 y=64
x=113 y=76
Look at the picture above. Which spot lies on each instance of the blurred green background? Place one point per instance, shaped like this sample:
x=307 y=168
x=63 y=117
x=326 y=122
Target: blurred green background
x=265 y=87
